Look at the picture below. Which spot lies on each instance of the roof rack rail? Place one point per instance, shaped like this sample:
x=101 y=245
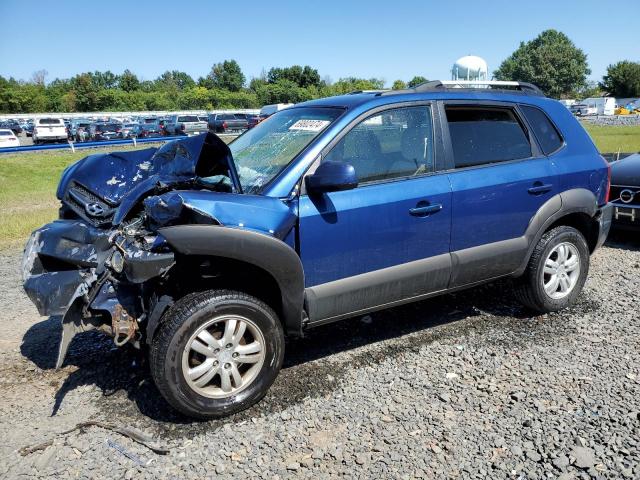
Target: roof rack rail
x=381 y=90
x=438 y=85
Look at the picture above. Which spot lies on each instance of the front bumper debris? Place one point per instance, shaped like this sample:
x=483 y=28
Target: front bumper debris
x=69 y=270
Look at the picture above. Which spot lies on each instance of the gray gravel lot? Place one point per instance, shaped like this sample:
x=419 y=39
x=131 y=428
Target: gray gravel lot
x=469 y=385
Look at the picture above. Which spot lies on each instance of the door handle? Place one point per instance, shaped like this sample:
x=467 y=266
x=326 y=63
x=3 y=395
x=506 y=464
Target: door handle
x=539 y=188
x=424 y=210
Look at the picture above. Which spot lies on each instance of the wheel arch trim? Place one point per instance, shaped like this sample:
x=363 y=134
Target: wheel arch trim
x=577 y=200
x=266 y=252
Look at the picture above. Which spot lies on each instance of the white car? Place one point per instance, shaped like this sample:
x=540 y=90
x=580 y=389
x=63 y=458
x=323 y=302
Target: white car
x=8 y=139
x=49 y=130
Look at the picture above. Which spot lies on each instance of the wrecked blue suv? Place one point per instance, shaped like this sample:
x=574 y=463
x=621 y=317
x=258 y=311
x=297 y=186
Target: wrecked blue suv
x=211 y=254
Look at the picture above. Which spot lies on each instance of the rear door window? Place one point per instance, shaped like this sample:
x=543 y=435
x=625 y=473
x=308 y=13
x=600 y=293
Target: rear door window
x=483 y=135
x=546 y=133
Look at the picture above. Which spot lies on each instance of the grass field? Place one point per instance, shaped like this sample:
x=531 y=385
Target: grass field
x=28 y=180
x=611 y=139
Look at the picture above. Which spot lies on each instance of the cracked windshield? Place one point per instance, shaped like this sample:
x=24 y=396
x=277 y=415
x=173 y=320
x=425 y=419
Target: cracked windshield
x=262 y=152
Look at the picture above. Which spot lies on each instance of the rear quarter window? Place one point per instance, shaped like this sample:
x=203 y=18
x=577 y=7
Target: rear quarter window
x=546 y=133
x=483 y=135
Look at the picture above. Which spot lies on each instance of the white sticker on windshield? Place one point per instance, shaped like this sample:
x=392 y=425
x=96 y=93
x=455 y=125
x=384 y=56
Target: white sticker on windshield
x=309 y=125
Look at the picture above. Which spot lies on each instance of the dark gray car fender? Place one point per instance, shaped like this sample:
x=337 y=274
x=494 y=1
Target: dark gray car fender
x=266 y=252
x=577 y=200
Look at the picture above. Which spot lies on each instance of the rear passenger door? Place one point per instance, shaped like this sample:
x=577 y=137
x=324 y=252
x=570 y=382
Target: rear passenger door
x=499 y=178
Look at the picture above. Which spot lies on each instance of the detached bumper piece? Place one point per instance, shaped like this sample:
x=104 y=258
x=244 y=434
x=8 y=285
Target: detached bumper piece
x=70 y=269
x=61 y=260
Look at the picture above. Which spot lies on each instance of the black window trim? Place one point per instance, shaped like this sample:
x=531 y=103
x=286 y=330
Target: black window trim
x=563 y=144
x=436 y=127
x=536 y=152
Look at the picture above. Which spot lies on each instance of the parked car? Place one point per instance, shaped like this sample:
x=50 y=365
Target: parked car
x=580 y=110
x=12 y=125
x=184 y=125
x=210 y=254
x=149 y=130
x=8 y=139
x=253 y=120
x=129 y=130
x=226 y=123
x=79 y=130
x=104 y=131
x=27 y=128
x=49 y=130
x=162 y=124
x=625 y=192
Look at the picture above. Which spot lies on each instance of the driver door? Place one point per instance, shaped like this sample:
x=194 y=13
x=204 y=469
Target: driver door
x=387 y=240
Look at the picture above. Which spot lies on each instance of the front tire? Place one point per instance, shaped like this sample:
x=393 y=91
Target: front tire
x=556 y=272
x=216 y=353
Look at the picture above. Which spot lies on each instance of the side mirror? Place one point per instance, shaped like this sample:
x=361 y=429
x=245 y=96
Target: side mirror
x=332 y=177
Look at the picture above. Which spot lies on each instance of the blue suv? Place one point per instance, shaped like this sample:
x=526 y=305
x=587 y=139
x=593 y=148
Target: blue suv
x=209 y=254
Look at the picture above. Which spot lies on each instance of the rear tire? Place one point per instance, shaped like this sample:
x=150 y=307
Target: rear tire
x=556 y=272
x=216 y=353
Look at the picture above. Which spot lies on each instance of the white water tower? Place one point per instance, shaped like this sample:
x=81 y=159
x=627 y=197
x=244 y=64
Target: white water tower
x=470 y=68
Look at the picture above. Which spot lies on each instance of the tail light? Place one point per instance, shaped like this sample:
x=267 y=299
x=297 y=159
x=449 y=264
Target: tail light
x=224 y=125
x=608 y=187
x=606 y=197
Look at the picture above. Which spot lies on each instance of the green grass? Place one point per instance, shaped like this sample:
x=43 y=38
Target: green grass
x=612 y=139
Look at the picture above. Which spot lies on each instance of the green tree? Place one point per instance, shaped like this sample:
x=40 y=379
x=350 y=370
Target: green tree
x=352 y=84
x=85 y=93
x=128 y=81
x=551 y=61
x=174 y=79
x=622 y=79
x=106 y=79
x=226 y=75
x=302 y=76
x=399 y=85
x=415 y=81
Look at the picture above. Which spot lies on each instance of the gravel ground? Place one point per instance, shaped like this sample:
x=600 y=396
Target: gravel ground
x=463 y=386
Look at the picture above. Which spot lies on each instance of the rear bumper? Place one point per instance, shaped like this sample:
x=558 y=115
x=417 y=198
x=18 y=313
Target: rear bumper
x=604 y=223
x=51 y=138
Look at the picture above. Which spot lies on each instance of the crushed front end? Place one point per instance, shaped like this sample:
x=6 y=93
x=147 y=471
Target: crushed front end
x=101 y=266
x=94 y=278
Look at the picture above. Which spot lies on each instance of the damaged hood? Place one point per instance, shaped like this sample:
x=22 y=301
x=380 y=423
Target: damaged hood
x=120 y=179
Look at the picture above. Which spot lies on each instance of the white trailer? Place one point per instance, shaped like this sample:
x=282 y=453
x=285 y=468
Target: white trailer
x=600 y=105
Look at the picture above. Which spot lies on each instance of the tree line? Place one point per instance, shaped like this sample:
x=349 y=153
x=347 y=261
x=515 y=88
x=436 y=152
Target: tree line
x=550 y=61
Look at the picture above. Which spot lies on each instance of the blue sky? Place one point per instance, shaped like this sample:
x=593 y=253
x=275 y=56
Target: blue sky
x=390 y=40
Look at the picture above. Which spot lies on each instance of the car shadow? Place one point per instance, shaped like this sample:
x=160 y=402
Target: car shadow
x=96 y=361
x=624 y=240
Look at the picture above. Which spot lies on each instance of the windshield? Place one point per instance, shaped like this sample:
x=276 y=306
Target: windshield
x=262 y=152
